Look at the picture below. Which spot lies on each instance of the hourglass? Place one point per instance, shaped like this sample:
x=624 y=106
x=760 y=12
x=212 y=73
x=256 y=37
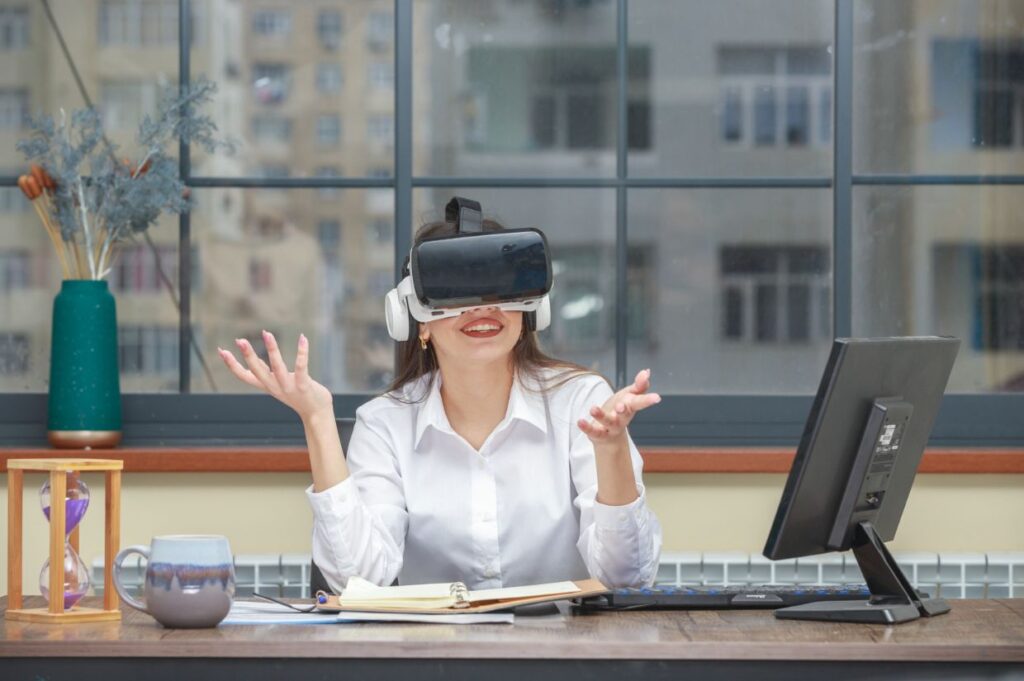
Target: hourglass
x=64 y=578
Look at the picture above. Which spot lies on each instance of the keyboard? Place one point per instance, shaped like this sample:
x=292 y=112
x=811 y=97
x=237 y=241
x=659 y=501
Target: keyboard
x=733 y=597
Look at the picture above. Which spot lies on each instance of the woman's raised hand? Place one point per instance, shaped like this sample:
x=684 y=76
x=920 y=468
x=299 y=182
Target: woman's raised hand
x=296 y=389
x=609 y=422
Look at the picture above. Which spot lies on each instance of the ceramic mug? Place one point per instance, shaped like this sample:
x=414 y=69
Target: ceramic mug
x=190 y=580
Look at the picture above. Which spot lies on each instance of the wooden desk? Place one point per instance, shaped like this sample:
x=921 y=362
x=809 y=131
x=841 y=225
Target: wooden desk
x=978 y=639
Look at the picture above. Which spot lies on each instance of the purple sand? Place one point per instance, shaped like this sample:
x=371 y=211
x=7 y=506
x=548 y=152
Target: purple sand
x=70 y=598
x=74 y=509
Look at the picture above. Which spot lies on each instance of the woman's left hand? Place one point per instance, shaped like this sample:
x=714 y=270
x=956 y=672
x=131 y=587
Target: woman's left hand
x=609 y=422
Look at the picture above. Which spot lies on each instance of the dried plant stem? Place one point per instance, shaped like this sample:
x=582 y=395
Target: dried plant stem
x=63 y=250
x=85 y=228
x=54 y=239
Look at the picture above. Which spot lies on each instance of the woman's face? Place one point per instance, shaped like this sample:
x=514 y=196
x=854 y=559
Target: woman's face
x=483 y=334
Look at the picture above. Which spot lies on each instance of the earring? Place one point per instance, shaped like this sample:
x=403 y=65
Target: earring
x=423 y=342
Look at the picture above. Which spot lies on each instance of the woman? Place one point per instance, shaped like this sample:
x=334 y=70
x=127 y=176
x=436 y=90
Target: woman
x=485 y=462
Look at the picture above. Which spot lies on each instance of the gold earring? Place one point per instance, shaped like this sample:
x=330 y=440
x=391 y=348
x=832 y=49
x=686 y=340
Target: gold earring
x=423 y=342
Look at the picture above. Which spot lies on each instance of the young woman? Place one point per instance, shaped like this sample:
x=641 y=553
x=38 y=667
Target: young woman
x=485 y=462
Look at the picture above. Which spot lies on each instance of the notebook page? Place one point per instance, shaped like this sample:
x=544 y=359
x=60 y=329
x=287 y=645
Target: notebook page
x=359 y=592
x=528 y=591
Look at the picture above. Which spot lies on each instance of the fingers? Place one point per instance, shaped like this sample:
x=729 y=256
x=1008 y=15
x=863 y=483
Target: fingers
x=592 y=429
x=641 y=383
x=240 y=372
x=277 y=365
x=302 y=360
x=258 y=367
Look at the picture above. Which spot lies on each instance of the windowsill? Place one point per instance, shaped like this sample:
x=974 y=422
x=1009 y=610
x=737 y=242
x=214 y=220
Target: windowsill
x=656 y=459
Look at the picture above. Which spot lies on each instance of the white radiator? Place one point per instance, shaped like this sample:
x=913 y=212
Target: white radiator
x=949 y=575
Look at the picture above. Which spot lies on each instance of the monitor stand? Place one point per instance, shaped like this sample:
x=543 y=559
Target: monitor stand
x=893 y=599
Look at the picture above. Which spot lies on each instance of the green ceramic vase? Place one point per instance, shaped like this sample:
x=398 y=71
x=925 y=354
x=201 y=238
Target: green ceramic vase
x=85 y=388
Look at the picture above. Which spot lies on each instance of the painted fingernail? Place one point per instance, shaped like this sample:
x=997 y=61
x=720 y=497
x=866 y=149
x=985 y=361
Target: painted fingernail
x=303 y=341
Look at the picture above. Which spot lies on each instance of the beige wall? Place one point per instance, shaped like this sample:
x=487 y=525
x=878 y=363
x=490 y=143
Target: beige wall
x=267 y=513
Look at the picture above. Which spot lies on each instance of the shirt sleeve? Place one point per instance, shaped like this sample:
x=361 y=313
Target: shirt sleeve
x=620 y=545
x=359 y=525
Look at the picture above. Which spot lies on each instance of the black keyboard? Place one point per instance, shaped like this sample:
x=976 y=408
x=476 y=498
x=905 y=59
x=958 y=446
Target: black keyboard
x=734 y=597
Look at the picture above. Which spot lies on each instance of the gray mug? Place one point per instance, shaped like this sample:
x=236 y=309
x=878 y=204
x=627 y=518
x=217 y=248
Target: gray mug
x=190 y=580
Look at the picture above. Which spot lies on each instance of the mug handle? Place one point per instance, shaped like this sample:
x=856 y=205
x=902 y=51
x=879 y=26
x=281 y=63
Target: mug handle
x=121 y=591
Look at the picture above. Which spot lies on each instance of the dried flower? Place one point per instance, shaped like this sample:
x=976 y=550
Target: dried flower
x=90 y=200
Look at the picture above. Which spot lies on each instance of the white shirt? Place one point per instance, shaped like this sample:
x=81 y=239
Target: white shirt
x=422 y=505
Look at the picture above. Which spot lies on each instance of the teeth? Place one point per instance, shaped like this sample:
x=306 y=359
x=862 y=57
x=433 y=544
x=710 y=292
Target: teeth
x=482 y=327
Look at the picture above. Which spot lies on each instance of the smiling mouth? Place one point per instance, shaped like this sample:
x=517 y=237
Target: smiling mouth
x=482 y=328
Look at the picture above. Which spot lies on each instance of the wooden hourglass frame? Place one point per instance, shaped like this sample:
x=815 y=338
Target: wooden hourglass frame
x=58 y=470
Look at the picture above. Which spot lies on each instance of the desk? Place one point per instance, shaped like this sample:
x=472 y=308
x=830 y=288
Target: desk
x=977 y=639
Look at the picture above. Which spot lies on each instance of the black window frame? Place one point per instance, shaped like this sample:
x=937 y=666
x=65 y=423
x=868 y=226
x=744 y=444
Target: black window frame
x=184 y=418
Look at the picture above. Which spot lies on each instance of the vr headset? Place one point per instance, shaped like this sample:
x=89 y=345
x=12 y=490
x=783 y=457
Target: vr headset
x=448 y=275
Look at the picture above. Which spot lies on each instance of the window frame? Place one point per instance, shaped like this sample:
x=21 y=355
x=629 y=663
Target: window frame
x=985 y=419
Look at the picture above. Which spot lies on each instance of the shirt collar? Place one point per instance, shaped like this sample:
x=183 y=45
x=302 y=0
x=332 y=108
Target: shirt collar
x=523 y=404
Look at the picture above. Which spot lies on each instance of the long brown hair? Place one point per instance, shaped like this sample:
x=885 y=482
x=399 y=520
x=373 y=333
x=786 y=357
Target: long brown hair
x=528 y=360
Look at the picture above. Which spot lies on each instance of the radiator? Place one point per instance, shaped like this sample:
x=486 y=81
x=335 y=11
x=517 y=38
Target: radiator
x=949 y=575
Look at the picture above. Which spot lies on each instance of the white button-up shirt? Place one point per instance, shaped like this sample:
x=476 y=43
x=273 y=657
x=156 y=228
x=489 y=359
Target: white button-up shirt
x=422 y=505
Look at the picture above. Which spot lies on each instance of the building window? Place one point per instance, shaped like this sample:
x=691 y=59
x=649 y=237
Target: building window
x=259 y=275
x=328 y=172
x=998 y=274
x=148 y=349
x=271 y=128
x=381 y=75
x=775 y=294
x=329 y=79
x=14 y=353
x=12 y=200
x=379 y=283
x=270 y=82
x=272 y=23
x=775 y=97
x=379 y=230
x=124 y=103
x=379 y=30
x=328 y=233
x=380 y=128
x=998 y=97
x=15 y=270
x=14 y=28
x=135 y=268
x=13 y=108
x=328 y=130
x=567 y=96
x=328 y=29
x=138 y=23
x=275 y=171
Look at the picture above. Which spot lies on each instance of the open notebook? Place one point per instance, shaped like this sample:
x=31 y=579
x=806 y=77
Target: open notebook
x=453 y=597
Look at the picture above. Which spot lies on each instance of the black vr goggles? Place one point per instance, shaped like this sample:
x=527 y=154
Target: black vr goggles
x=448 y=275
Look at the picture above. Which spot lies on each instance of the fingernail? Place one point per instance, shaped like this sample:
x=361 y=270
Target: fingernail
x=303 y=340
x=239 y=343
x=220 y=350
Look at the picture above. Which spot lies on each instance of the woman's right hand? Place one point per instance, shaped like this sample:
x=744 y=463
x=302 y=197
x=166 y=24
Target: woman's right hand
x=296 y=389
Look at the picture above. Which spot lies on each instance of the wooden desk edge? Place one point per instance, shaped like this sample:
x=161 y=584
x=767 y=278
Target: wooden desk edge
x=656 y=459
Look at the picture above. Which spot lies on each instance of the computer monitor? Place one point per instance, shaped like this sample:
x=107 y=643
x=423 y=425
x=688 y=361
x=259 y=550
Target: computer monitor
x=854 y=467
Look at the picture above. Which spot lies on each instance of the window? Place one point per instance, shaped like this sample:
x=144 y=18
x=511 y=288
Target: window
x=138 y=23
x=329 y=78
x=775 y=294
x=328 y=233
x=328 y=130
x=271 y=128
x=123 y=103
x=14 y=353
x=148 y=349
x=259 y=275
x=272 y=23
x=275 y=171
x=14 y=28
x=328 y=29
x=380 y=128
x=270 y=82
x=379 y=30
x=12 y=200
x=13 y=108
x=15 y=270
x=999 y=296
x=136 y=270
x=379 y=230
x=381 y=75
x=328 y=172
x=775 y=97
x=999 y=97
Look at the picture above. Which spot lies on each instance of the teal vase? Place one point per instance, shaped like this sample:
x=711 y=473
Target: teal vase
x=85 y=388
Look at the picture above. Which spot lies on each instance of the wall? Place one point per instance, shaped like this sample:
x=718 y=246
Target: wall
x=267 y=513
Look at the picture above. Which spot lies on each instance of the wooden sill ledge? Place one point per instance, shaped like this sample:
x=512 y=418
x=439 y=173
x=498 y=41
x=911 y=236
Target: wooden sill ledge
x=656 y=459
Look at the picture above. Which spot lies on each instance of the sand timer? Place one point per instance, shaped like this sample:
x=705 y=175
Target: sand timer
x=65 y=577
x=76 y=573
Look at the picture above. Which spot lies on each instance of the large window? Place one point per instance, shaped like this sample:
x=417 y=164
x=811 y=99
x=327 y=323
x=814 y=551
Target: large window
x=726 y=187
